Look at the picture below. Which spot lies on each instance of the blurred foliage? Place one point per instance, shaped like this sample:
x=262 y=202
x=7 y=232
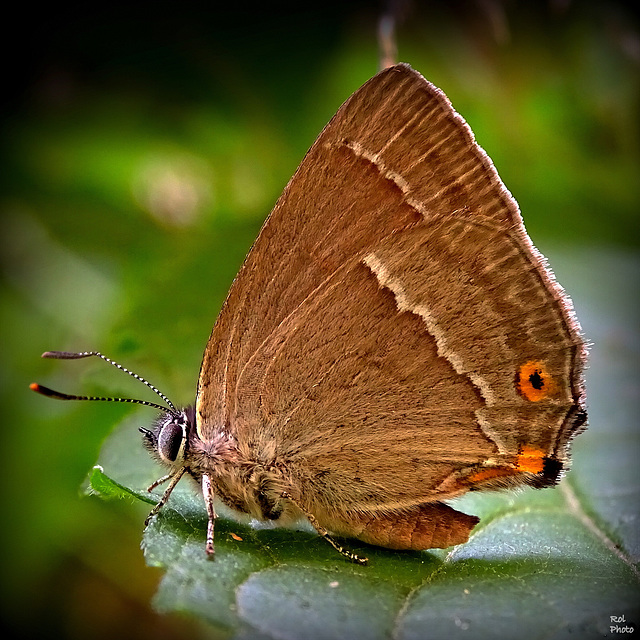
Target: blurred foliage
x=142 y=148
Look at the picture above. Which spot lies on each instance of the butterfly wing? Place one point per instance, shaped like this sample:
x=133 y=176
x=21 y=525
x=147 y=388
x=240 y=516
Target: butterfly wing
x=372 y=339
x=321 y=220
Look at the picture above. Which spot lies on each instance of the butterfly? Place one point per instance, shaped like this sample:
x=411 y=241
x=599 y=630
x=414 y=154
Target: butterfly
x=392 y=340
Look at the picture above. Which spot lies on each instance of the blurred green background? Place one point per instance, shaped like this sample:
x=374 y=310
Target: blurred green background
x=143 y=147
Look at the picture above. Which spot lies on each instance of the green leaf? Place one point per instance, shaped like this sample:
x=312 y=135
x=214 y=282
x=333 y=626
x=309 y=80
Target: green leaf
x=550 y=564
x=105 y=487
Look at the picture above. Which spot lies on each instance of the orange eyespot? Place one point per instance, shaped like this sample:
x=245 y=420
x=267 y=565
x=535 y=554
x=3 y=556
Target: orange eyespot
x=534 y=381
x=531 y=460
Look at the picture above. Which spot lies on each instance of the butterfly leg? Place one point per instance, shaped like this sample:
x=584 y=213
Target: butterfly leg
x=207 y=492
x=165 y=496
x=350 y=555
x=158 y=482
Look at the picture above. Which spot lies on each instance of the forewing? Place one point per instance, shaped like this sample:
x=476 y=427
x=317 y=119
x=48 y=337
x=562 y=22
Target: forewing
x=394 y=155
x=359 y=342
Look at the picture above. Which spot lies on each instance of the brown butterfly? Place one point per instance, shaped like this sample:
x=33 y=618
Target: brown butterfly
x=392 y=340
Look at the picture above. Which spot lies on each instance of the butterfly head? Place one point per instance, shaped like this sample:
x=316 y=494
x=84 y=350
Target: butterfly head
x=168 y=438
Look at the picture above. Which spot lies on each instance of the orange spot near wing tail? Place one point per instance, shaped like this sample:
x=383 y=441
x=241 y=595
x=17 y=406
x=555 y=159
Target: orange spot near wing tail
x=531 y=460
x=489 y=474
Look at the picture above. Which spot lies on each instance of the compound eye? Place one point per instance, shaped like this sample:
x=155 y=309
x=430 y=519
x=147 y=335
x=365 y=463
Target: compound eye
x=171 y=441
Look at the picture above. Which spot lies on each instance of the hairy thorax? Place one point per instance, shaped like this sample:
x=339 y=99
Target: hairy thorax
x=249 y=483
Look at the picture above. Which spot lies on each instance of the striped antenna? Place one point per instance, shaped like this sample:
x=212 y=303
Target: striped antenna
x=69 y=355
x=50 y=393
